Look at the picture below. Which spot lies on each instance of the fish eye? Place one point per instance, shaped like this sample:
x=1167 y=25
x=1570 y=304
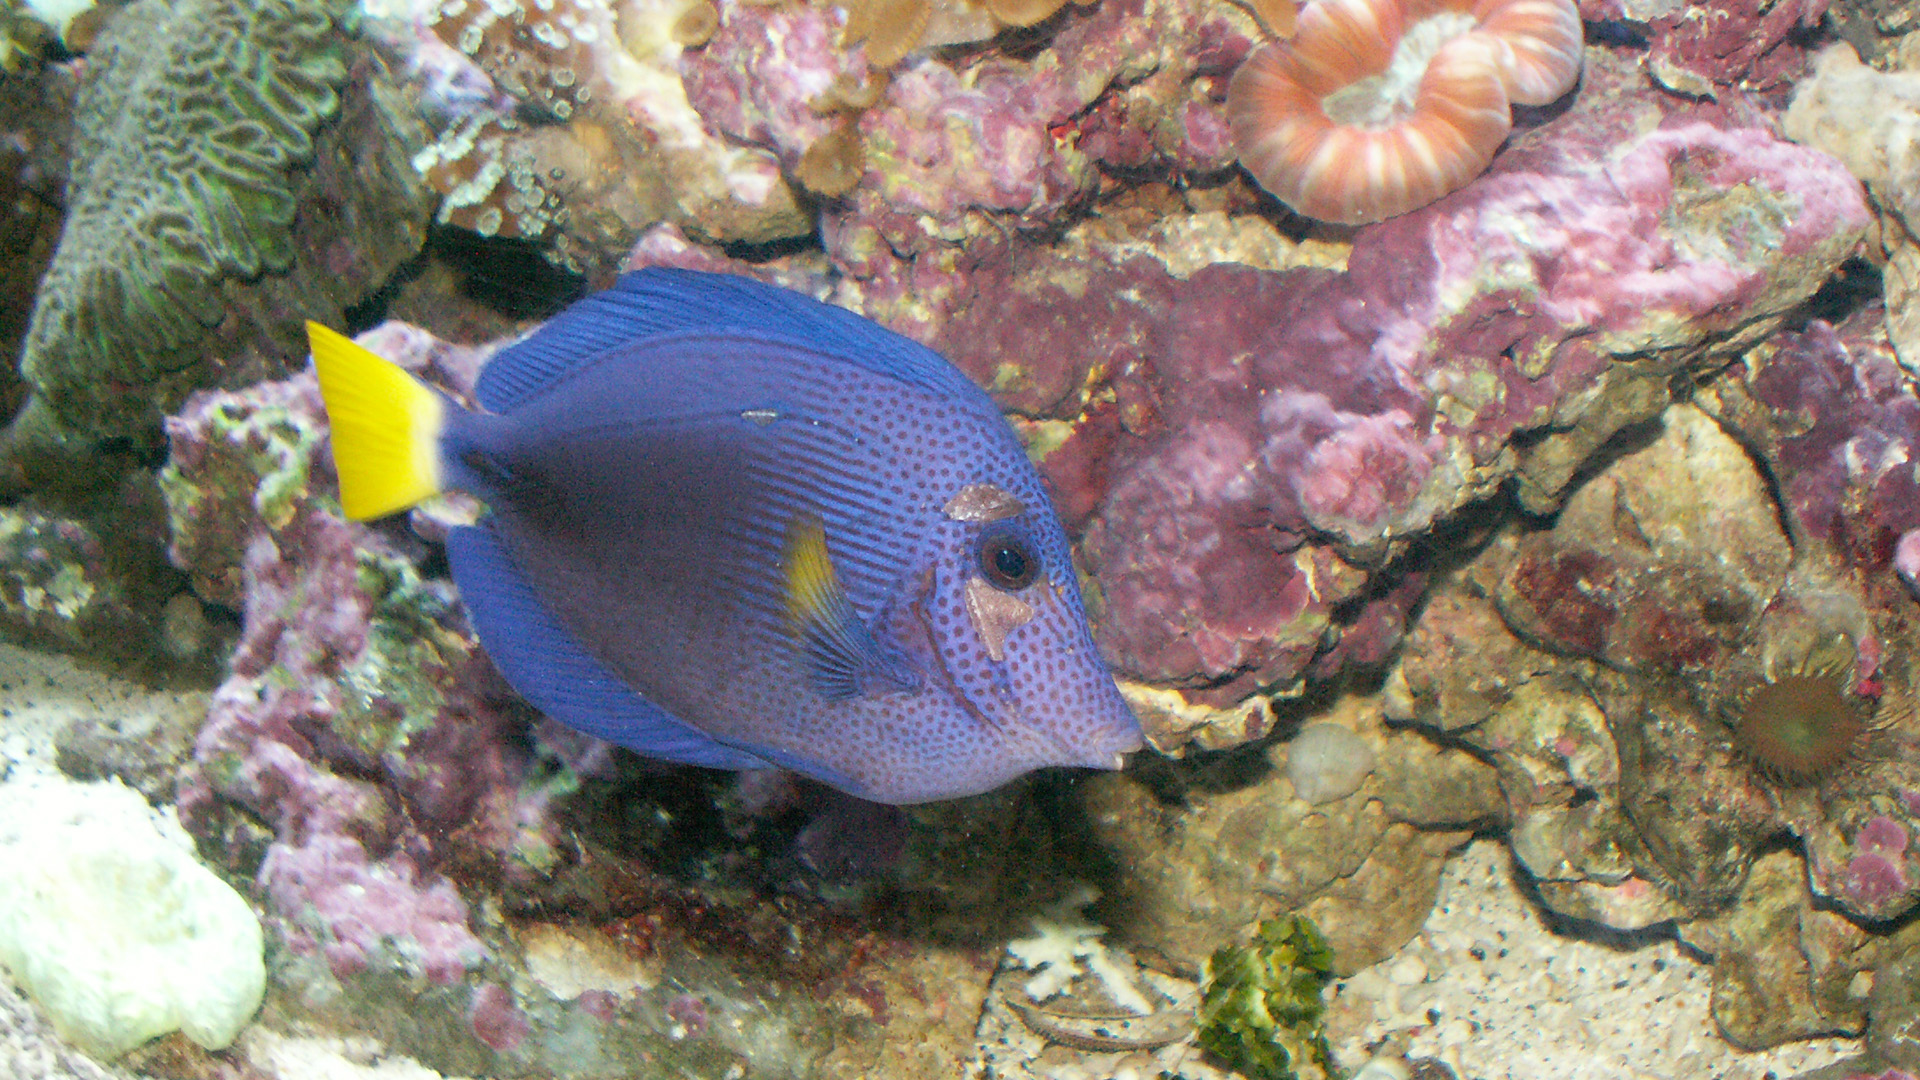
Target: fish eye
x=1007 y=562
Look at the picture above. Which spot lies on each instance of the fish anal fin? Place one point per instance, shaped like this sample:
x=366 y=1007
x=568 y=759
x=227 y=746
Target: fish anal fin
x=841 y=656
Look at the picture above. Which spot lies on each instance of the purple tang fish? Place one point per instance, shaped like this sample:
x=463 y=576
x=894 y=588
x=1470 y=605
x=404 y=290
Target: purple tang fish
x=731 y=526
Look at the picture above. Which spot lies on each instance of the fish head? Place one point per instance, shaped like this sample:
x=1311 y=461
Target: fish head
x=1010 y=642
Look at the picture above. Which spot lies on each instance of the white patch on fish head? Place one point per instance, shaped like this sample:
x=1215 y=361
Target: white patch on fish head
x=995 y=614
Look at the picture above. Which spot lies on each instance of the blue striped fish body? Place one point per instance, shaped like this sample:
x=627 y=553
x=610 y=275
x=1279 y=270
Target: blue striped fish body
x=731 y=526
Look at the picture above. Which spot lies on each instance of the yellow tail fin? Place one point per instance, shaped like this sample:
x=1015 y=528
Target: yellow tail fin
x=386 y=427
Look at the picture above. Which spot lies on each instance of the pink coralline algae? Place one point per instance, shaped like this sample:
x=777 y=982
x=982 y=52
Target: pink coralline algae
x=956 y=149
x=944 y=143
x=1844 y=419
x=1021 y=326
x=689 y=1012
x=770 y=75
x=942 y=152
x=1875 y=874
x=1295 y=430
x=1906 y=559
x=1700 y=49
x=1357 y=475
x=350 y=667
x=496 y=1020
x=978 y=143
x=356 y=906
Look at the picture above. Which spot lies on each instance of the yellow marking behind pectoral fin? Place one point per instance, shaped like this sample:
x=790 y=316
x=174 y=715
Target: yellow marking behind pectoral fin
x=808 y=570
x=386 y=427
x=838 y=653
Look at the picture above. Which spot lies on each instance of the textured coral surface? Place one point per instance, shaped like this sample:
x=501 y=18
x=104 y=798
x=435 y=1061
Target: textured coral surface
x=206 y=210
x=181 y=183
x=1301 y=428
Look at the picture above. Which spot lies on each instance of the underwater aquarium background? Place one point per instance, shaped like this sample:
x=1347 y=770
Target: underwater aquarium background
x=1512 y=570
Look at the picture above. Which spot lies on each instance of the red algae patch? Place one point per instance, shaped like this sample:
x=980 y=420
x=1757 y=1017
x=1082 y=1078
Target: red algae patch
x=497 y=1021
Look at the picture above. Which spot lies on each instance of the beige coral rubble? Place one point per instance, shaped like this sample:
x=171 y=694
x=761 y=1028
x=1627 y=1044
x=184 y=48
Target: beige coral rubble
x=1870 y=120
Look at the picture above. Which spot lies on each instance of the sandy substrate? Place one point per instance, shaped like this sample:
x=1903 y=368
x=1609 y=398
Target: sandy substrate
x=29 y=1049
x=1486 y=986
x=41 y=694
x=1511 y=1000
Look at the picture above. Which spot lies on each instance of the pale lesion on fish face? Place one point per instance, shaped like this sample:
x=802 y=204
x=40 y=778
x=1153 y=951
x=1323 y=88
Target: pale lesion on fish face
x=982 y=503
x=995 y=614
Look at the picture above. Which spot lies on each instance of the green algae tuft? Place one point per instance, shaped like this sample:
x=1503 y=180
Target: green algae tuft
x=1261 y=1011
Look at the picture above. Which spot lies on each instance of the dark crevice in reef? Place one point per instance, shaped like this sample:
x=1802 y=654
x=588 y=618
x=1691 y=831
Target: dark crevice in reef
x=1853 y=286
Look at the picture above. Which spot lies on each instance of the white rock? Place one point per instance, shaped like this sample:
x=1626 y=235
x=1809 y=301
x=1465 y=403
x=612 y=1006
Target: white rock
x=1383 y=1068
x=58 y=13
x=1327 y=762
x=1409 y=970
x=109 y=923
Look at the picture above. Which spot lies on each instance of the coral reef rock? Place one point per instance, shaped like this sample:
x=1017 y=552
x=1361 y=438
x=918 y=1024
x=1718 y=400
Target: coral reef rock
x=1865 y=117
x=1214 y=848
x=574 y=123
x=1632 y=670
x=237 y=167
x=1700 y=50
x=1279 y=438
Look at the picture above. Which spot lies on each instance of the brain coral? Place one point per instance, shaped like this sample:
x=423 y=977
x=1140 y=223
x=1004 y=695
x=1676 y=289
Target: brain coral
x=191 y=119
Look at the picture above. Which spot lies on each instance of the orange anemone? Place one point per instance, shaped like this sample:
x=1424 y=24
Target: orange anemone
x=1377 y=107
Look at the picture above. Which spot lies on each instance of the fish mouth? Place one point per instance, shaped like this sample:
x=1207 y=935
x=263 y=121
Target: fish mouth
x=1119 y=736
x=1104 y=744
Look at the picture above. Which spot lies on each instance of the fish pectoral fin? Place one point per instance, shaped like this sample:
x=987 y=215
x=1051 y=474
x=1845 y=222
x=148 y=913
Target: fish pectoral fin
x=841 y=656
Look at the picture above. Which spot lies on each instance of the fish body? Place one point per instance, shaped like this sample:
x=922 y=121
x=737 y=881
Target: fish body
x=731 y=526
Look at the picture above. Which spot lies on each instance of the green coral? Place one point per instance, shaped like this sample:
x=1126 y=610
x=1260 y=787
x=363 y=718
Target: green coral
x=263 y=453
x=1261 y=1011
x=192 y=119
x=396 y=688
x=50 y=577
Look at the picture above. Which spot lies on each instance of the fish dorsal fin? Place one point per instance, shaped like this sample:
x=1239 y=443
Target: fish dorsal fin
x=841 y=656
x=661 y=303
